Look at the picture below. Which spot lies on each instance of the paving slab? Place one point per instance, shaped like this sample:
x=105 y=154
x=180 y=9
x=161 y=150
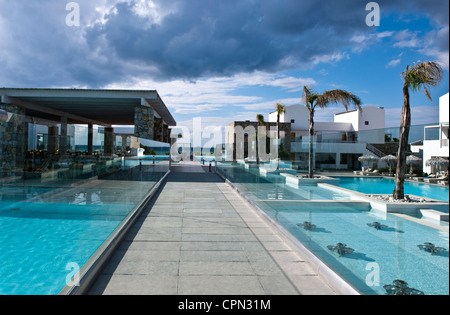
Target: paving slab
x=199 y=237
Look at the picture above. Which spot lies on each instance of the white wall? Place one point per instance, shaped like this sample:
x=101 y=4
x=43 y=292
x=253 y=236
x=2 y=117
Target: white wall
x=298 y=113
x=443 y=109
x=349 y=117
x=375 y=116
x=438 y=148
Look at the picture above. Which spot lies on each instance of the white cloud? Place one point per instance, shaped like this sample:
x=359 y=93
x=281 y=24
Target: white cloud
x=212 y=94
x=436 y=45
x=406 y=39
x=393 y=63
x=269 y=106
x=384 y=34
x=331 y=58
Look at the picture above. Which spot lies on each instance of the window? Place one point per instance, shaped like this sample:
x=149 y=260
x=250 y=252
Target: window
x=366 y=123
x=292 y=121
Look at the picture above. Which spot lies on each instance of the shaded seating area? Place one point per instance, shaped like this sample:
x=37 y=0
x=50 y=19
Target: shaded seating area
x=70 y=133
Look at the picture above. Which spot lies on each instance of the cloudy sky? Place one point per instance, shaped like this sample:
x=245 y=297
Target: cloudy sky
x=226 y=60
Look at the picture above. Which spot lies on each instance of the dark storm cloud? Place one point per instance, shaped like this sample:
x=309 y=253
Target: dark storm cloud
x=189 y=39
x=224 y=37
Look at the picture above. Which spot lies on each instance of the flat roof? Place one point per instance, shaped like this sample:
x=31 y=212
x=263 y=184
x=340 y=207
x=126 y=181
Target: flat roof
x=101 y=107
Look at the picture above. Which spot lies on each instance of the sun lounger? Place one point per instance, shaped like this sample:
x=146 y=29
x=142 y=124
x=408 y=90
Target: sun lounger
x=436 y=179
x=372 y=173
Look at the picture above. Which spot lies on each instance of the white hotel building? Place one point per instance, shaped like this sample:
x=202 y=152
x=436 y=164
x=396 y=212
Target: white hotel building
x=435 y=148
x=338 y=144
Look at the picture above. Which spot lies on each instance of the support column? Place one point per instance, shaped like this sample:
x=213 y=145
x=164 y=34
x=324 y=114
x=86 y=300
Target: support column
x=144 y=121
x=90 y=139
x=338 y=160
x=166 y=134
x=162 y=131
x=53 y=137
x=12 y=140
x=124 y=143
x=109 y=141
x=63 y=139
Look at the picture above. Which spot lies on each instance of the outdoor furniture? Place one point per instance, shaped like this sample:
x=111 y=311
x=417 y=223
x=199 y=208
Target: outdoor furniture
x=372 y=173
x=390 y=160
x=437 y=163
x=436 y=180
x=411 y=160
x=368 y=159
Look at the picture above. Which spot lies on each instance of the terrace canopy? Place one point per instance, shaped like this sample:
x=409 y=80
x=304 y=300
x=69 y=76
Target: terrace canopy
x=78 y=106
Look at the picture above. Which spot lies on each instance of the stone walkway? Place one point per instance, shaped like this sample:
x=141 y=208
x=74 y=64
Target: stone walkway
x=199 y=237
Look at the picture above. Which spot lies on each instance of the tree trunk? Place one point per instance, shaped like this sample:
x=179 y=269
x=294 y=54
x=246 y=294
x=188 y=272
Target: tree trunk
x=403 y=146
x=311 y=144
x=257 y=148
x=278 y=140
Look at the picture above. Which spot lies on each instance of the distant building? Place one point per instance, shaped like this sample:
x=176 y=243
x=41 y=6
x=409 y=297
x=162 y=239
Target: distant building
x=437 y=147
x=248 y=145
x=338 y=144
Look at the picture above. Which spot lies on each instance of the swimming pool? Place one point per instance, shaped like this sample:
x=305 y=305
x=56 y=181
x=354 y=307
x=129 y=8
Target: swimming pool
x=39 y=242
x=273 y=187
x=49 y=231
x=380 y=256
x=382 y=185
x=389 y=254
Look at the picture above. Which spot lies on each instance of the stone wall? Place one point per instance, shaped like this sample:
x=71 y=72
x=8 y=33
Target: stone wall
x=12 y=141
x=285 y=137
x=144 y=122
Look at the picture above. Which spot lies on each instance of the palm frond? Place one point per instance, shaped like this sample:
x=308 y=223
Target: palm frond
x=260 y=119
x=310 y=97
x=280 y=109
x=339 y=96
x=423 y=74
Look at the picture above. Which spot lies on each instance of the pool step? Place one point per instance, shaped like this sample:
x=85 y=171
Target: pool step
x=296 y=180
x=434 y=215
x=320 y=205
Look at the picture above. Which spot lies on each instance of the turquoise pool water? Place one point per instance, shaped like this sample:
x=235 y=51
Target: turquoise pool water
x=46 y=231
x=379 y=257
x=273 y=187
x=378 y=185
x=39 y=243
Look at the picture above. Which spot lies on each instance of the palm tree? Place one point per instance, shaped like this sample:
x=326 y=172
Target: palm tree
x=426 y=75
x=280 y=110
x=314 y=100
x=261 y=122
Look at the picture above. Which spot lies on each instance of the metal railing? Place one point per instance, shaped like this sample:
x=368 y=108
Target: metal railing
x=374 y=150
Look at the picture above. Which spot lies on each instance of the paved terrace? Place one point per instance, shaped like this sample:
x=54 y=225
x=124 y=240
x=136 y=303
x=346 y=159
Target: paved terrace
x=199 y=237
